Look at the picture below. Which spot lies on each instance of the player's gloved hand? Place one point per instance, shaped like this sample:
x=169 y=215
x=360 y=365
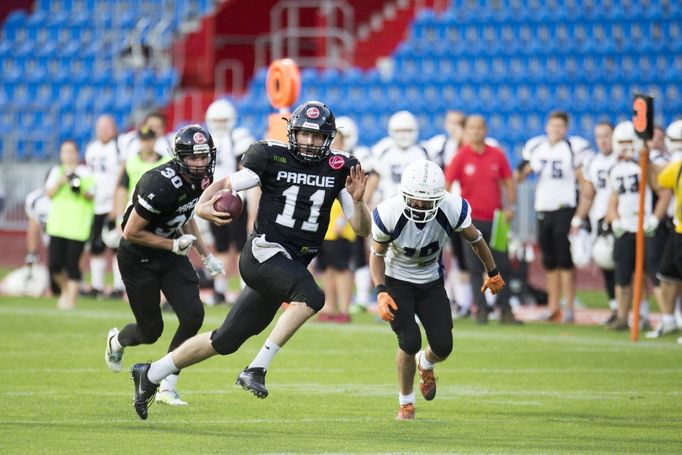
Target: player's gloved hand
x=494 y=283
x=650 y=224
x=385 y=304
x=214 y=265
x=183 y=244
x=617 y=228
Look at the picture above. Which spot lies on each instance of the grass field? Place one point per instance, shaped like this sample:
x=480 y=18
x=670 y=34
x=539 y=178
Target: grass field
x=532 y=389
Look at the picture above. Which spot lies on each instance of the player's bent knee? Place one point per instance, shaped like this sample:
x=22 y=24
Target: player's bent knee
x=313 y=297
x=224 y=345
x=152 y=331
x=442 y=347
x=410 y=344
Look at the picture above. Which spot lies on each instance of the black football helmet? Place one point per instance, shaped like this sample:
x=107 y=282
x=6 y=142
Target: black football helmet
x=194 y=140
x=315 y=117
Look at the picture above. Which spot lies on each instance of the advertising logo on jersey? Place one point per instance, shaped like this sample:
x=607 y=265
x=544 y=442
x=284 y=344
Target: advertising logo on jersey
x=312 y=112
x=336 y=162
x=199 y=138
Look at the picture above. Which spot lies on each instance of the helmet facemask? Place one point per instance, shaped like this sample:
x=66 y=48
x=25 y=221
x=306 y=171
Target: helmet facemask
x=312 y=117
x=310 y=153
x=194 y=141
x=421 y=209
x=422 y=186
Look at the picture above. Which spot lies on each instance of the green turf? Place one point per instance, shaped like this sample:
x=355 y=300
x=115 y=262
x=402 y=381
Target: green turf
x=532 y=389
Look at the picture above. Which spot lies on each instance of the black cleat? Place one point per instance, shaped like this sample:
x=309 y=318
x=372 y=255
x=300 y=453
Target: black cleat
x=253 y=380
x=145 y=390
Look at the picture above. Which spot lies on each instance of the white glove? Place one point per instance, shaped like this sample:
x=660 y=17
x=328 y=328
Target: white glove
x=617 y=228
x=650 y=224
x=214 y=265
x=576 y=222
x=183 y=244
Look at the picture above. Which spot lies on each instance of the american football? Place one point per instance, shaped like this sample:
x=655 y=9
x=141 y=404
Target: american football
x=229 y=202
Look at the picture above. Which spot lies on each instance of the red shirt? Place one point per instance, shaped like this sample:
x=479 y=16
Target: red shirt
x=479 y=176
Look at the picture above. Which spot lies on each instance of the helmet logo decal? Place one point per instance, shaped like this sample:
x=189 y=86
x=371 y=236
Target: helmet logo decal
x=336 y=162
x=312 y=112
x=199 y=138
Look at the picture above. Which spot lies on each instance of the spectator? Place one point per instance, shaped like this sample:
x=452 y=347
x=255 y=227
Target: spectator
x=231 y=143
x=556 y=161
x=594 y=201
x=103 y=158
x=482 y=172
x=71 y=189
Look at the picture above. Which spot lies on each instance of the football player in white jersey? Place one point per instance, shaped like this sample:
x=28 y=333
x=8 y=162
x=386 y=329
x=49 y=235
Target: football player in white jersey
x=409 y=231
x=623 y=212
x=557 y=163
x=103 y=158
x=673 y=140
x=231 y=143
x=392 y=154
x=594 y=201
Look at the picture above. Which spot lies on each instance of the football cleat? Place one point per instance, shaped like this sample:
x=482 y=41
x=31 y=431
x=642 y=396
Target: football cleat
x=145 y=390
x=662 y=330
x=406 y=412
x=170 y=397
x=113 y=358
x=427 y=380
x=253 y=380
x=618 y=325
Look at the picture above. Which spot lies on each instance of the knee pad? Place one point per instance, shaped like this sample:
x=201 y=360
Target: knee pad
x=97 y=246
x=151 y=331
x=192 y=323
x=312 y=296
x=442 y=346
x=410 y=343
x=223 y=343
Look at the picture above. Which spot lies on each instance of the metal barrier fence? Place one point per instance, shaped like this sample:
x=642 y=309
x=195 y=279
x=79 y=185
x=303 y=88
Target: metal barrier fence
x=19 y=179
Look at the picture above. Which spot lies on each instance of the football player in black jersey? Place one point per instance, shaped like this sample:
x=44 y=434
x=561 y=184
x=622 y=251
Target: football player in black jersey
x=299 y=182
x=158 y=233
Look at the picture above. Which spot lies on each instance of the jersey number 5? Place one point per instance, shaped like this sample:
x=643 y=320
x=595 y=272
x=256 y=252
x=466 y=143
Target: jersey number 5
x=286 y=218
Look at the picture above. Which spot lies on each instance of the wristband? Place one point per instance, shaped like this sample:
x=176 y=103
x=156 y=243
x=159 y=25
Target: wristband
x=493 y=272
x=381 y=288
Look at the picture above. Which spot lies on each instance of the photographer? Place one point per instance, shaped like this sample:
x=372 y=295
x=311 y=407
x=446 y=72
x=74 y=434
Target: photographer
x=71 y=189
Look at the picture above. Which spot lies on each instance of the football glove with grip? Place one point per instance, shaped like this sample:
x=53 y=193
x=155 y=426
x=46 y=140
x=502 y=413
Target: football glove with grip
x=183 y=244
x=617 y=228
x=386 y=306
x=650 y=224
x=214 y=265
x=494 y=283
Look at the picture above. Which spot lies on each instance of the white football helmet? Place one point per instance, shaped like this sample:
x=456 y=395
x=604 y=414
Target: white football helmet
x=673 y=138
x=31 y=280
x=602 y=252
x=403 y=128
x=423 y=188
x=221 y=118
x=581 y=248
x=347 y=128
x=623 y=140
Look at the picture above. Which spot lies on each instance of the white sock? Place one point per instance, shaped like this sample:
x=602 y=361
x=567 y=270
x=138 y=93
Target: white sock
x=463 y=294
x=613 y=305
x=169 y=382
x=115 y=344
x=424 y=363
x=98 y=266
x=668 y=320
x=220 y=285
x=362 y=287
x=644 y=309
x=406 y=399
x=118 y=280
x=161 y=369
x=265 y=355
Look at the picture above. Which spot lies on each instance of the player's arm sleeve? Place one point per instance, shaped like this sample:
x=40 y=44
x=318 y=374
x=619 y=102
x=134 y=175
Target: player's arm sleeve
x=244 y=179
x=124 y=181
x=347 y=204
x=256 y=158
x=462 y=217
x=153 y=196
x=381 y=232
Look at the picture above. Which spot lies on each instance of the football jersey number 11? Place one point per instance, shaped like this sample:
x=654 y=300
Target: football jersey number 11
x=286 y=218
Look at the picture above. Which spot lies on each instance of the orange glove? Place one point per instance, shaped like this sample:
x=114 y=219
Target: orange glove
x=494 y=283
x=386 y=305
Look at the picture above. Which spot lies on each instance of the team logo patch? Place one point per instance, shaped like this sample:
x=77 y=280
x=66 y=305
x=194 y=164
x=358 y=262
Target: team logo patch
x=312 y=112
x=336 y=162
x=199 y=138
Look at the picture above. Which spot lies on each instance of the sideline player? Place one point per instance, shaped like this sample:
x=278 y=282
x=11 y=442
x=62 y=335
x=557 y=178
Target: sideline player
x=409 y=232
x=299 y=183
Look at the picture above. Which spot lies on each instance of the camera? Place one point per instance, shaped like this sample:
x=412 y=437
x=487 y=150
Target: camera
x=74 y=183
